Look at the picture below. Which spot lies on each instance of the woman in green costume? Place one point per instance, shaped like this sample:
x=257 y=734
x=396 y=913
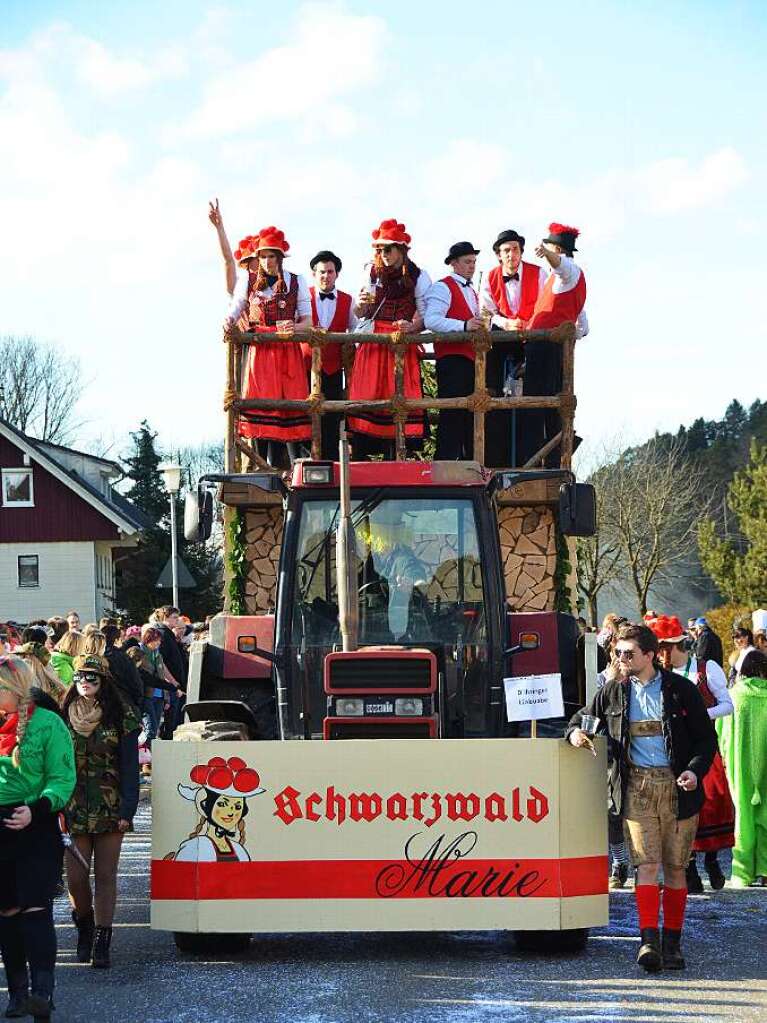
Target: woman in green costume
x=743 y=742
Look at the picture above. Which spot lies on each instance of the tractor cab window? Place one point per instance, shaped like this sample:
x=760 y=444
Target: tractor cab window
x=417 y=566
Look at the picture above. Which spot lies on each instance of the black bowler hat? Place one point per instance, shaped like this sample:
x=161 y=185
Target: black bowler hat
x=508 y=236
x=461 y=249
x=326 y=256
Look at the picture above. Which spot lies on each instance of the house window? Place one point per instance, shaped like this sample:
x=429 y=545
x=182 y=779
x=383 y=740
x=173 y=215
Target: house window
x=18 y=491
x=29 y=571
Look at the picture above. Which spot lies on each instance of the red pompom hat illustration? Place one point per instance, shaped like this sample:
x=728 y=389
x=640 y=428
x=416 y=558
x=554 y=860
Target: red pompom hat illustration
x=562 y=234
x=667 y=628
x=390 y=232
x=230 y=777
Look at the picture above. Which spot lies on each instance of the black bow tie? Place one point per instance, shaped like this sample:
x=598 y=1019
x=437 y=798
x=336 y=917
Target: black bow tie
x=511 y=277
x=465 y=284
x=326 y=294
x=270 y=281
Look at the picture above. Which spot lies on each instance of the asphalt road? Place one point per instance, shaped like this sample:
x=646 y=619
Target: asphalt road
x=375 y=978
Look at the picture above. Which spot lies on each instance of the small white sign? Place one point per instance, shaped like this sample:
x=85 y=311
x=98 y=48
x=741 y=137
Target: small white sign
x=533 y=697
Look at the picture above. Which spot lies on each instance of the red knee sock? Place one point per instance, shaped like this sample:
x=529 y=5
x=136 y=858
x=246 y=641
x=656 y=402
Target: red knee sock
x=648 y=905
x=674 y=902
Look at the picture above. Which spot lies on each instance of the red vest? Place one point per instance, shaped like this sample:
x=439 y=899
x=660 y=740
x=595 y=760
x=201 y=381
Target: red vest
x=497 y=285
x=458 y=310
x=552 y=309
x=331 y=354
x=267 y=311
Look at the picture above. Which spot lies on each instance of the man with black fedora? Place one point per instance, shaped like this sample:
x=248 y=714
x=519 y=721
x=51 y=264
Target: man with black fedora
x=509 y=293
x=562 y=300
x=332 y=310
x=452 y=307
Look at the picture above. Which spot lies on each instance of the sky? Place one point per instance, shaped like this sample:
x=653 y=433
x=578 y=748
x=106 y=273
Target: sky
x=643 y=124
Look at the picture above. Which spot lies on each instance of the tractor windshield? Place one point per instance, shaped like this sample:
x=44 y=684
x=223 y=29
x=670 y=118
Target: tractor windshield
x=418 y=570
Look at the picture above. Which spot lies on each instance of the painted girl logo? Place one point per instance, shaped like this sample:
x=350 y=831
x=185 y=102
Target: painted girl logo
x=220 y=792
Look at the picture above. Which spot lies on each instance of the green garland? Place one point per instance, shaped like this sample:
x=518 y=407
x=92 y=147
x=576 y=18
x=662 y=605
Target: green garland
x=562 y=594
x=236 y=562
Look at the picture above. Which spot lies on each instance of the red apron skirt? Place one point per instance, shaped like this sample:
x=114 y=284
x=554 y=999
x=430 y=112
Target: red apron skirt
x=275 y=371
x=373 y=378
x=716 y=823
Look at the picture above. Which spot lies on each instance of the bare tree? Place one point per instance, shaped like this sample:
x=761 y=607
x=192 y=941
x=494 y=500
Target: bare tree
x=653 y=499
x=39 y=389
x=599 y=563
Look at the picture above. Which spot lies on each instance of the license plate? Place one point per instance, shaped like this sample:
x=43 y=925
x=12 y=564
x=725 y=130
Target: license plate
x=386 y=707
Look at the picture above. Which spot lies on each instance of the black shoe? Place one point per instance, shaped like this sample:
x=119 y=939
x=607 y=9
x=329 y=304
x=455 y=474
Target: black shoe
x=86 y=929
x=17 y=1003
x=649 y=956
x=40 y=1001
x=101 y=959
x=715 y=876
x=672 y=953
x=619 y=875
x=694 y=883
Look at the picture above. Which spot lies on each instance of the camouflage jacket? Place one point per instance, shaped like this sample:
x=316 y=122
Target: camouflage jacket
x=107 y=785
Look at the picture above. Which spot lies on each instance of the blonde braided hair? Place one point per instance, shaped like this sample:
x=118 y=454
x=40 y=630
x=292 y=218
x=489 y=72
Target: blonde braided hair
x=16 y=677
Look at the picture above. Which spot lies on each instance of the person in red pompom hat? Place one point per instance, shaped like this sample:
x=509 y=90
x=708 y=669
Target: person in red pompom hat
x=274 y=299
x=392 y=298
x=220 y=790
x=562 y=300
x=716 y=824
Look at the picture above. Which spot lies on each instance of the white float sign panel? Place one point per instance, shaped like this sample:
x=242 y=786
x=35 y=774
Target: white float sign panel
x=534 y=697
x=377 y=834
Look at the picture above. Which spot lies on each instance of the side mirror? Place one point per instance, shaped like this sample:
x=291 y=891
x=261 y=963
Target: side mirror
x=577 y=509
x=198 y=515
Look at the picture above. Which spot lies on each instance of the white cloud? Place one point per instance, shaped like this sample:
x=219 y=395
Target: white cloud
x=333 y=54
x=675 y=185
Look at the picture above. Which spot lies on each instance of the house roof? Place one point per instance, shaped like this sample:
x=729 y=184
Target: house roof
x=46 y=444
x=126 y=516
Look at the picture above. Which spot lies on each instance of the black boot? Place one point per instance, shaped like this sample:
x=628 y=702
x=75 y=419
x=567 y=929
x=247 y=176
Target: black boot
x=15 y=963
x=101 y=945
x=649 y=956
x=715 y=876
x=672 y=953
x=694 y=883
x=86 y=929
x=40 y=1001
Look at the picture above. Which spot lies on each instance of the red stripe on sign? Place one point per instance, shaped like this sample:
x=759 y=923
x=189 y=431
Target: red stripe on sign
x=372 y=879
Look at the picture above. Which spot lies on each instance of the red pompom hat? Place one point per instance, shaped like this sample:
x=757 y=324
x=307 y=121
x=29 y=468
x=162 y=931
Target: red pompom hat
x=391 y=232
x=667 y=628
x=230 y=777
x=562 y=234
x=247 y=248
x=272 y=238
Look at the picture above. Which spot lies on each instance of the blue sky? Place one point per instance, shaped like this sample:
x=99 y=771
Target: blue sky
x=643 y=124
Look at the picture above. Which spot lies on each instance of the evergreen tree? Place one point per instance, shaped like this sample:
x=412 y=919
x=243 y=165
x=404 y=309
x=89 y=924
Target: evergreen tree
x=148 y=491
x=739 y=568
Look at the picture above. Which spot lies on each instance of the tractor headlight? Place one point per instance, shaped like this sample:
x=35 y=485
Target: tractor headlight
x=408 y=706
x=350 y=708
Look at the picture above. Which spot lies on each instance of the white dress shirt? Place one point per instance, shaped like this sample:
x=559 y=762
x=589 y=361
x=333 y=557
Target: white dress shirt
x=717 y=683
x=422 y=286
x=326 y=310
x=240 y=297
x=513 y=295
x=438 y=302
x=566 y=276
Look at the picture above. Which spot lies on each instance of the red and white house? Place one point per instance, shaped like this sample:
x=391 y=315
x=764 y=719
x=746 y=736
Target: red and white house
x=62 y=526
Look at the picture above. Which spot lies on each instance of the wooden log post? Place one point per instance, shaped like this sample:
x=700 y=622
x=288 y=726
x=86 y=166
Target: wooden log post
x=568 y=399
x=231 y=393
x=316 y=396
x=480 y=399
x=399 y=406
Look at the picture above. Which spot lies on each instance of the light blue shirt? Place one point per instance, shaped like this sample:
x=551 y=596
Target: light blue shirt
x=646 y=704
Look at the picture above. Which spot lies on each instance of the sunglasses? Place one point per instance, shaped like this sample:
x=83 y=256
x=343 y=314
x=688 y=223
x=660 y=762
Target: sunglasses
x=624 y=655
x=386 y=249
x=86 y=676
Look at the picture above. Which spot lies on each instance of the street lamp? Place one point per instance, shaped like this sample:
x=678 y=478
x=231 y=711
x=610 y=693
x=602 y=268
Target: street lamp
x=172 y=476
